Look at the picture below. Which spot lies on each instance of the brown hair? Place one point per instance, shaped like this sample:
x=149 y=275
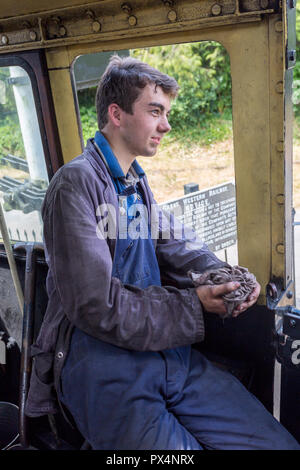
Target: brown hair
x=122 y=82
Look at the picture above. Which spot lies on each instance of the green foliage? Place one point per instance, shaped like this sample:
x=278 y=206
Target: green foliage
x=88 y=114
x=202 y=71
x=10 y=133
x=296 y=133
x=215 y=128
x=10 y=137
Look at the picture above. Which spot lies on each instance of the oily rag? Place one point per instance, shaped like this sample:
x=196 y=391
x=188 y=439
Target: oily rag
x=239 y=274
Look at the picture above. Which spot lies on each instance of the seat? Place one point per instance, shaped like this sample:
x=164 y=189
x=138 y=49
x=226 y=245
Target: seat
x=52 y=432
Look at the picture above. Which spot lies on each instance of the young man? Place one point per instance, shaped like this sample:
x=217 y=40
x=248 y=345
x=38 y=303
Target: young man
x=122 y=312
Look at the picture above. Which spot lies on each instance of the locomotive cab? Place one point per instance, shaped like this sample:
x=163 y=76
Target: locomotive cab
x=47 y=55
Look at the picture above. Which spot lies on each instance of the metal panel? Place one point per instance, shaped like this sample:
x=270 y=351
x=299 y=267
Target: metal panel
x=290 y=376
x=65 y=103
x=115 y=20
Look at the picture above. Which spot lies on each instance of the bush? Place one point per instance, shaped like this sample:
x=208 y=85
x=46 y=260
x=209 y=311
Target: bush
x=10 y=133
x=88 y=114
x=11 y=140
x=202 y=71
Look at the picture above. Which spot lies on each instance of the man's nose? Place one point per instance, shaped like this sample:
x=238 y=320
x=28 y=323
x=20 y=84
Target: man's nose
x=164 y=125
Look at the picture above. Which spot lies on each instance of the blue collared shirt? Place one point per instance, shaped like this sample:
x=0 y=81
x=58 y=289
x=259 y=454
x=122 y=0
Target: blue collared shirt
x=119 y=179
x=127 y=187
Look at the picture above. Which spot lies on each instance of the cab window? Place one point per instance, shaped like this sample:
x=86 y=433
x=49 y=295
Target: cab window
x=23 y=172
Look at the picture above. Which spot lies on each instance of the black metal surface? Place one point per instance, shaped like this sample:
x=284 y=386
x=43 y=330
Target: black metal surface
x=289 y=405
x=9 y=373
x=246 y=344
x=291 y=323
x=27 y=336
x=36 y=432
x=11 y=320
x=8 y=424
x=287 y=353
x=288 y=339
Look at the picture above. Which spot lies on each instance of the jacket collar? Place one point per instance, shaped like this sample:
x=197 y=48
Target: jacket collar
x=111 y=161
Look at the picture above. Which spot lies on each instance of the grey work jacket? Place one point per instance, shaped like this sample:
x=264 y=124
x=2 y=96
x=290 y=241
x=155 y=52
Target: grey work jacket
x=82 y=291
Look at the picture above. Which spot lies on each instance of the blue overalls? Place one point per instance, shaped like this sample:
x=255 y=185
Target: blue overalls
x=169 y=400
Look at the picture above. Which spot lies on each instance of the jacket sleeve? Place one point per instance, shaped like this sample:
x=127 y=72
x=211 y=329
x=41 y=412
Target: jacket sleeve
x=155 y=318
x=179 y=250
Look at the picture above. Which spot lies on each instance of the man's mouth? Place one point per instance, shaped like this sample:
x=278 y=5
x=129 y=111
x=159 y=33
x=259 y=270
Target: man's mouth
x=156 y=140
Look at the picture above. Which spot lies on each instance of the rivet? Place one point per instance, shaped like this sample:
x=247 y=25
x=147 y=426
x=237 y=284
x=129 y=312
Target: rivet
x=280 y=146
x=132 y=20
x=62 y=31
x=289 y=294
x=172 y=15
x=4 y=40
x=280 y=248
x=56 y=19
x=264 y=4
x=280 y=199
x=279 y=26
x=90 y=14
x=279 y=87
x=216 y=9
x=293 y=323
x=126 y=7
x=96 y=26
x=32 y=35
x=60 y=355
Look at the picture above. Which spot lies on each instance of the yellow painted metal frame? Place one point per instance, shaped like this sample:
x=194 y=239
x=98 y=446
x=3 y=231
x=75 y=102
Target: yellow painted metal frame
x=257 y=55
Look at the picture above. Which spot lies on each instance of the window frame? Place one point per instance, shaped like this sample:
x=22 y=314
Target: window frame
x=34 y=63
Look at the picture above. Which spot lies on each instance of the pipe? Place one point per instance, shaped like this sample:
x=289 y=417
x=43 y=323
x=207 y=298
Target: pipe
x=11 y=260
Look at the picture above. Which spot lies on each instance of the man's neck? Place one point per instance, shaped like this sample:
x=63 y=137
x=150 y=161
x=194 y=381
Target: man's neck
x=125 y=160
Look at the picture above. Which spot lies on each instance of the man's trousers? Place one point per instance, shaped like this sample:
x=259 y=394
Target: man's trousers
x=169 y=400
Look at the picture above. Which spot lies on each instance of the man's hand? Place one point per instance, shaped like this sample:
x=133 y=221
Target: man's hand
x=248 y=302
x=211 y=296
x=212 y=301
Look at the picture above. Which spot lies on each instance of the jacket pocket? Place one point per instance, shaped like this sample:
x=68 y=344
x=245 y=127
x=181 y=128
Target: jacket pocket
x=41 y=397
x=43 y=362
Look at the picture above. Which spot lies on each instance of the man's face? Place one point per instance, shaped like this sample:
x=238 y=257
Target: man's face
x=143 y=130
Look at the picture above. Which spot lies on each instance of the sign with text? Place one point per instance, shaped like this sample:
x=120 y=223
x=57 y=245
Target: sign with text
x=210 y=213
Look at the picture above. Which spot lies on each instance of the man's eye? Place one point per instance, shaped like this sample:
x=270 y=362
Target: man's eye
x=155 y=112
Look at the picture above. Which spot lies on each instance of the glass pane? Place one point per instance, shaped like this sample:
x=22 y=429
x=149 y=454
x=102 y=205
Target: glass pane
x=192 y=173
x=23 y=173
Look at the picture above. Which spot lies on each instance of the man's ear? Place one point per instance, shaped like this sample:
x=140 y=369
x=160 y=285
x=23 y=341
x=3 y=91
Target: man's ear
x=114 y=114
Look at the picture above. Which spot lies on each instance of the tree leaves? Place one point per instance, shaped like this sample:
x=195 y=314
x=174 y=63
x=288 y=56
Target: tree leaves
x=202 y=69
